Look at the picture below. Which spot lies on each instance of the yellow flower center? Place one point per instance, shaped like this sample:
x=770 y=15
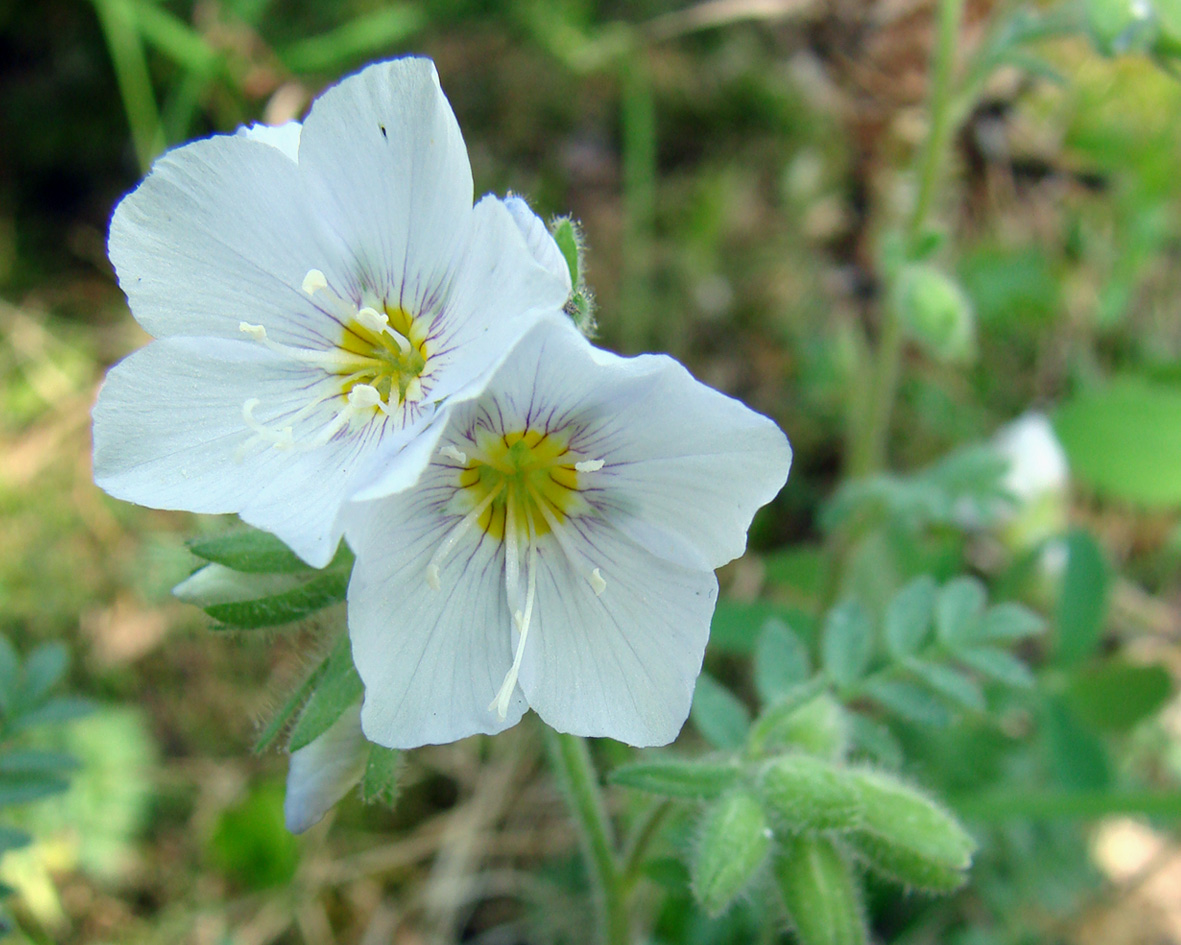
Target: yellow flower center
x=388 y=355
x=530 y=472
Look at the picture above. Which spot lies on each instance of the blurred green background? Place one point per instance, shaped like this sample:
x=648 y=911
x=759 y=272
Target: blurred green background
x=738 y=168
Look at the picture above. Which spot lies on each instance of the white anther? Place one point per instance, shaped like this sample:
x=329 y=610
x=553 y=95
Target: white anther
x=256 y=332
x=372 y=319
x=597 y=582
x=364 y=395
x=432 y=577
x=589 y=465
x=314 y=281
x=456 y=454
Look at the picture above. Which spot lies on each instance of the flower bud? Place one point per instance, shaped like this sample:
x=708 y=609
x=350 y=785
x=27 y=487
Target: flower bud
x=1037 y=478
x=803 y=792
x=907 y=836
x=936 y=312
x=324 y=771
x=819 y=727
x=820 y=892
x=734 y=842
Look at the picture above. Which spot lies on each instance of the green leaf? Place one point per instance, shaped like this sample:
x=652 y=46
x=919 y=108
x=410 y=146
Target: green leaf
x=323 y=590
x=22 y=788
x=875 y=740
x=908 y=617
x=953 y=685
x=736 y=624
x=907 y=701
x=58 y=709
x=251 y=551
x=336 y=690
x=718 y=714
x=35 y=761
x=847 y=643
x=697 y=780
x=998 y=665
x=1082 y=599
x=1077 y=755
x=958 y=610
x=781 y=660
x=818 y=726
x=1007 y=622
x=1117 y=694
x=733 y=844
x=1124 y=440
x=13 y=839
x=43 y=670
x=380 y=781
x=10 y=668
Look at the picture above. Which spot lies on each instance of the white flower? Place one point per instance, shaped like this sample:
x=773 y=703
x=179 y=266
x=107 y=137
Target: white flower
x=558 y=551
x=324 y=771
x=318 y=294
x=1037 y=462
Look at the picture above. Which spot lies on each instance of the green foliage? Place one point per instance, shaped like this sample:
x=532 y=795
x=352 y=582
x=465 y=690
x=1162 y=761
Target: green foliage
x=1082 y=600
x=1124 y=440
x=698 y=780
x=380 y=781
x=250 y=844
x=718 y=714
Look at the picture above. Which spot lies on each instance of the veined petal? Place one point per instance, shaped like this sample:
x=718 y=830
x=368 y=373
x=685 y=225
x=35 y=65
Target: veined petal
x=537 y=237
x=324 y=771
x=684 y=466
x=285 y=137
x=383 y=161
x=169 y=433
x=218 y=234
x=430 y=658
x=620 y=663
x=498 y=293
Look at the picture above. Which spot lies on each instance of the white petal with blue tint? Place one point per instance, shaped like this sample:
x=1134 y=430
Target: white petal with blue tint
x=532 y=560
x=324 y=771
x=323 y=294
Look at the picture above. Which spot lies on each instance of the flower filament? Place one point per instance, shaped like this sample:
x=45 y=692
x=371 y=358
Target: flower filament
x=376 y=367
x=518 y=488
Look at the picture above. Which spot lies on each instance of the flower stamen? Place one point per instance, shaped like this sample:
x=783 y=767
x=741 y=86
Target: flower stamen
x=452 y=538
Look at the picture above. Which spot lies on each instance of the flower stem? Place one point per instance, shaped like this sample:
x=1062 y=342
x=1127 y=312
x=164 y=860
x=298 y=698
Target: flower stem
x=576 y=773
x=868 y=450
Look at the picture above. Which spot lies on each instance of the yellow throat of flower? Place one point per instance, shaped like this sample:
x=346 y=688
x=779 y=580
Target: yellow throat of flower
x=385 y=351
x=529 y=474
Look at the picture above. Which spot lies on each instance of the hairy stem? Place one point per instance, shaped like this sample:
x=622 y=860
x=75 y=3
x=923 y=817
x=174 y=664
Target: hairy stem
x=576 y=774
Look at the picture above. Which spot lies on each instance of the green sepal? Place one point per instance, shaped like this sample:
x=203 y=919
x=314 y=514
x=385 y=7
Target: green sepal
x=732 y=846
x=251 y=551
x=336 y=690
x=694 y=780
x=820 y=891
x=380 y=781
x=323 y=590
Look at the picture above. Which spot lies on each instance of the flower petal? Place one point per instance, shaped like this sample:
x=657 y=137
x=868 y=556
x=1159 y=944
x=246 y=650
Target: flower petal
x=285 y=137
x=537 y=237
x=685 y=467
x=499 y=291
x=621 y=663
x=383 y=161
x=324 y=771
x=218 y=234
x=169 y=433
x=431 y=660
